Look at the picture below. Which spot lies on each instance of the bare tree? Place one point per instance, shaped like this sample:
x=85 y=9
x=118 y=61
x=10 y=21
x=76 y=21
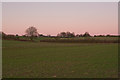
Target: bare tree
x=31 y=32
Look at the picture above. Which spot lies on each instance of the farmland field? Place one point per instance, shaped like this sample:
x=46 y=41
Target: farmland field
x=22 y=59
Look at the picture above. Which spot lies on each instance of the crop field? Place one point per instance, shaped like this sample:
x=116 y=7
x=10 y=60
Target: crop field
x=24 y=59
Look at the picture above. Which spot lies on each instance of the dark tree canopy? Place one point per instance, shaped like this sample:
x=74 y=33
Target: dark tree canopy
x=86 y=34
x=31 y=32
x=66 y=34
x=62 y=34
x=2 y=35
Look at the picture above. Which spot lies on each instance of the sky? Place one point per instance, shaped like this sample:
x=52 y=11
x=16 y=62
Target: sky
x=51 y=18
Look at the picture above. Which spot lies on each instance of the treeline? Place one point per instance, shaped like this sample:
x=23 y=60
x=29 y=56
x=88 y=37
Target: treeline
x=9 y=36
x=61 y=35
x=32 y=34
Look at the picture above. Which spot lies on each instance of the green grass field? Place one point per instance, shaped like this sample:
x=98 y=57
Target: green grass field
x=59 y=60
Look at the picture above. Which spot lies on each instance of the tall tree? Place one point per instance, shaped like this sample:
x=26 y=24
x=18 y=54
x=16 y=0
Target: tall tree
x=31 y=32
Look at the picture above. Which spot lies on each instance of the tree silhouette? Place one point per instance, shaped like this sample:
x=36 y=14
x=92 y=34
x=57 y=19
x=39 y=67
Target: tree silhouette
x=31 y=32
x=86 y=34
x=62 y=34
x=66 y=34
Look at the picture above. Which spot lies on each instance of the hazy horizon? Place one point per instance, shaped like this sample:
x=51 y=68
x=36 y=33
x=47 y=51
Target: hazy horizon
x=55 y=17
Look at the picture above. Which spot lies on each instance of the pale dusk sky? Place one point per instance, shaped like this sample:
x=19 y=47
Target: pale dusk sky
x=55 y=17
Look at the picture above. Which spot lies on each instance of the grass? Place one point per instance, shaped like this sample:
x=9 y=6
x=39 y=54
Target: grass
x=67 y=40
x=73 y=38
x=59 y=60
